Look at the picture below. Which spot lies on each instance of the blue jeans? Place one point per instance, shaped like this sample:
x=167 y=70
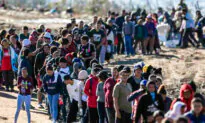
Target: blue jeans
x=128 y=45
x=101 y=112
x=53 y=104
x=20 y=100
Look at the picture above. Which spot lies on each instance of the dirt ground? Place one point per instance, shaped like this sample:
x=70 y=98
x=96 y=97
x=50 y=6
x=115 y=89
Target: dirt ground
x=179 y=65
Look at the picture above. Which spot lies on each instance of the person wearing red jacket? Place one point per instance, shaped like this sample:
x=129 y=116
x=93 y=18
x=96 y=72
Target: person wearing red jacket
x=108 y=89
x=90 y=91
x=186 y=96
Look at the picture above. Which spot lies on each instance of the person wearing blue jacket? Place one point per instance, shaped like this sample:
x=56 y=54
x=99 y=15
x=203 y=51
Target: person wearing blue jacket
x=140 y=35
x=52 y=85
x=196 y=115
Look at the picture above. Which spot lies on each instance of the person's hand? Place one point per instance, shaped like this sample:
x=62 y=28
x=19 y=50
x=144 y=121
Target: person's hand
x=118 y=115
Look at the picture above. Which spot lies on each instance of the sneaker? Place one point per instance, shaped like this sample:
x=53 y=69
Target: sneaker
x=32 y=107
x=40 y=106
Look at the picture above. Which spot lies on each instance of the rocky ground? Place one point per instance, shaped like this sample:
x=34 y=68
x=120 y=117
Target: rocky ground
x=179 y=65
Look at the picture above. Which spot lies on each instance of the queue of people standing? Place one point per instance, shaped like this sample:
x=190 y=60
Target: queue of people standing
x=67 y=69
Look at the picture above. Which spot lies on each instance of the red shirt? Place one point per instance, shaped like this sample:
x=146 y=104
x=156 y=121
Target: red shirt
x=29 y=85
x=6 y=60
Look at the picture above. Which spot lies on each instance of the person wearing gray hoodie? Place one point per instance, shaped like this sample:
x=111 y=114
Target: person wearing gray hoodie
x=76 y=68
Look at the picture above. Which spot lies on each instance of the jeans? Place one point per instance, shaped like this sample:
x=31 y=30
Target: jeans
x=53 y=104
x=8 y=78
x=125 y=118
x=63 y=108
x=93 y=115
x=101 y=112
x=72 y=112
x=110 y=114
x=20 y=100
x=128 y=45
x=102 y=54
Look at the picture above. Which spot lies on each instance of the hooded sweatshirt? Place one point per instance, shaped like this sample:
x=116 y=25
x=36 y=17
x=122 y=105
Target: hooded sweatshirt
x=176 y=112
x=181 y=98
x=76 y=67
x=90 y=91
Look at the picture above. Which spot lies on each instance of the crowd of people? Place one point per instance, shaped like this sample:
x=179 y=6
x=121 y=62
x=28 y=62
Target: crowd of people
x=67 y=70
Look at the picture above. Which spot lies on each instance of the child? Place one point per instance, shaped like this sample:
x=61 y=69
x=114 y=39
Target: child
x=25 y=86
x=73 y=91
x=52 y=85
x=63 y=71
x=196 y=113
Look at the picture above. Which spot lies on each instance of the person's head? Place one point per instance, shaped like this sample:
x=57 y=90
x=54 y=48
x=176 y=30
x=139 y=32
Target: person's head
x=179 y=108
x=64 y=42
x=158 y=116
x=64 y=32
x=82 y=75
x=70 y=39
x=186 y=92
x=11 y=31
x=98 y=25
x=181 y=1
x=62 y=62
x=184 y=11
x=143 y=84
x=198 y=13
x=3 y=33
x=95 y=71
x=46 y=48
x=138 y=70
x=149 y=18
x=102 y=75
x=151 y=87
x=182 y=119
x=49 y=70
x=24 y=72
x=5 y=43
x=112 y=15
x=47 y=38
x=158 y=81
x=167 y=120
x=84 y=40
x=124 y=74
x=25 y=29
x=68 y=79
x=127 y=18
x=95 y=19
x=42 y=27
x=13 y=39
x=53 y=49
x=162 y=91
x=81 y=24
x=109 y=22
x=197 y=105
x=140 y=22
x=123 y=12
x=115 y=72
x=25 y=52
x=69 y=26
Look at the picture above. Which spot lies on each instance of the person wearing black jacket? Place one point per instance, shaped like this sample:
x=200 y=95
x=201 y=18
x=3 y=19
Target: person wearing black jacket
x=38 y=64
x=149 y=103
x=136 y=78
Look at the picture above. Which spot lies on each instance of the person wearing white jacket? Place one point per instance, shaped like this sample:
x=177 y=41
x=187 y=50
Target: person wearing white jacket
x=177 y=111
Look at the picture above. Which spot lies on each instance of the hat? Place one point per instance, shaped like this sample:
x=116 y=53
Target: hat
x=11 y=30
x=149 y=16
x=47 y=35
x=82 y=75
x=137 y=66
x=126 y=70
x=143 y=82
x=63 y=60
x=26 y=42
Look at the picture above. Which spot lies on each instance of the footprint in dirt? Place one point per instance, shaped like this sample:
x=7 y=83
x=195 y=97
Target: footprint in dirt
x=3 y=118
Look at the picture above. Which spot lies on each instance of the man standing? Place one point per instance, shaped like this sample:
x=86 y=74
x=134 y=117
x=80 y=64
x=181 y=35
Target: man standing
x=128 y=31
x=119 y=22
x=122 y=107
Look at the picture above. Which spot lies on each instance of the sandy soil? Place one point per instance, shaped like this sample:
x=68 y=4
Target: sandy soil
x=179 y=65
